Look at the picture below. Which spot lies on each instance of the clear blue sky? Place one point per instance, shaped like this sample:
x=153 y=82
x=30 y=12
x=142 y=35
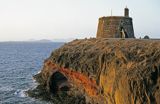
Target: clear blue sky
x=52 y=19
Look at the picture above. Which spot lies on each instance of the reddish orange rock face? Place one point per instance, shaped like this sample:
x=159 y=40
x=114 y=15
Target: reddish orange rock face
x=77 y=78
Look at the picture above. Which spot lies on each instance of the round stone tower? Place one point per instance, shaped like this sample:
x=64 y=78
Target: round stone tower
x=116 y=26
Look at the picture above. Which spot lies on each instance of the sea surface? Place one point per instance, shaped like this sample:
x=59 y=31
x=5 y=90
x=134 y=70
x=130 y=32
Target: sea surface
x=19 y=61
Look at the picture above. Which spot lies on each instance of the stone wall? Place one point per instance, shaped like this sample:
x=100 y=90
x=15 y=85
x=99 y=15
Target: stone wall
x=111 y=27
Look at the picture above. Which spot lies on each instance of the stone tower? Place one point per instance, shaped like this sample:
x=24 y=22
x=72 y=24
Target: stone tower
x=116 y=26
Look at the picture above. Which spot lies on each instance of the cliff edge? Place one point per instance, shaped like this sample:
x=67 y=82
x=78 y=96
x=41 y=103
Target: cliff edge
x=104 y=71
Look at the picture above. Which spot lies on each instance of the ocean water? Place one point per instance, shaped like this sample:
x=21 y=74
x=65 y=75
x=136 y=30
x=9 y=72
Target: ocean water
x=19 y=61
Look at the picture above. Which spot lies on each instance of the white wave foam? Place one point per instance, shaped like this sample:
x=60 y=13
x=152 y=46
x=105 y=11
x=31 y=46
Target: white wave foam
x=20 y=93
x=39 y=72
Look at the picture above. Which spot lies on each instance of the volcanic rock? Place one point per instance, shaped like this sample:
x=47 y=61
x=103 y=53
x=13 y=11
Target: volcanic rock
x=105 y=71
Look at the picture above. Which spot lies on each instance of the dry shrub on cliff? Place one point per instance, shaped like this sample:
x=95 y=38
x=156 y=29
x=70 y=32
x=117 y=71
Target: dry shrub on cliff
x=127 y=70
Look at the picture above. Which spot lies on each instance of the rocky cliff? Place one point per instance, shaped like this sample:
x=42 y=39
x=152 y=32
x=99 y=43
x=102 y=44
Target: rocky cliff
x=104 y=71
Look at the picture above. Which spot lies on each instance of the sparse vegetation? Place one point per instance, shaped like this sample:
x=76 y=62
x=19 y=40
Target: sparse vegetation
x=126 y=71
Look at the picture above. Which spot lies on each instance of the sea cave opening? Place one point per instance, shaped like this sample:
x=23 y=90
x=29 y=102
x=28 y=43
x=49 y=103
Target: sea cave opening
x=58 y=82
